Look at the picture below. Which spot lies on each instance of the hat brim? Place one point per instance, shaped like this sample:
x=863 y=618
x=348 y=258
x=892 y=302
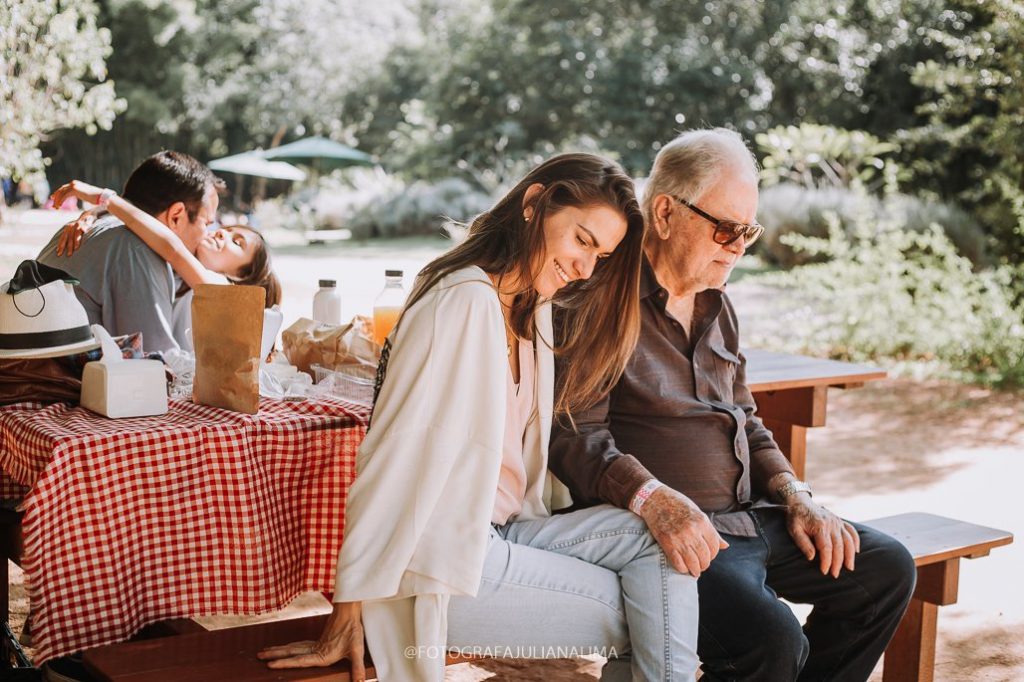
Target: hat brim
x=53 y=352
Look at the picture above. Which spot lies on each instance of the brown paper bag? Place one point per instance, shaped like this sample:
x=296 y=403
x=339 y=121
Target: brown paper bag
x=227 y=327
x=308 y=342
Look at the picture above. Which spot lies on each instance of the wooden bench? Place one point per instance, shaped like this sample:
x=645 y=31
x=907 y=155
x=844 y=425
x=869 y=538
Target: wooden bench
x=213 y=656
x=219 y=656
x=937 y=544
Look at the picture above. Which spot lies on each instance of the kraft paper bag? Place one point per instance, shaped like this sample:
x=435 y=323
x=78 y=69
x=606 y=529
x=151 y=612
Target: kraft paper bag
x=308 y=342
x=227 y=328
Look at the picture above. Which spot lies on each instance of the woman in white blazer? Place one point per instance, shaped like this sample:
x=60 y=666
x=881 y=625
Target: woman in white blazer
x=449 y=537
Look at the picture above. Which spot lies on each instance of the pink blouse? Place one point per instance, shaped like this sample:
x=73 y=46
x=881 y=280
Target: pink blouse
x=520 y=409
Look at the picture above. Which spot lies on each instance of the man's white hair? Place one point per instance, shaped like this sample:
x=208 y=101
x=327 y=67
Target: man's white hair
x=692 y=163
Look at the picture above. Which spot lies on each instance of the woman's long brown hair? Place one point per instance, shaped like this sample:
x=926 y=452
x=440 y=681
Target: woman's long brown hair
x=260 y=271
x=603 y=324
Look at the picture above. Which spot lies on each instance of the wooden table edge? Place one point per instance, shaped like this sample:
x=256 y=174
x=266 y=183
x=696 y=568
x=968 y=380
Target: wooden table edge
x=836 y=381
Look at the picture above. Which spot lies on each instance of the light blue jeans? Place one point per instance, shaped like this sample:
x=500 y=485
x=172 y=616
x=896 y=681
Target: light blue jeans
x=593 y=581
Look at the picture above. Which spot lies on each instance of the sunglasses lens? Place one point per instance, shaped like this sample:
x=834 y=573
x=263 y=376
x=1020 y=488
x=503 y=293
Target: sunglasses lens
x=727 y=231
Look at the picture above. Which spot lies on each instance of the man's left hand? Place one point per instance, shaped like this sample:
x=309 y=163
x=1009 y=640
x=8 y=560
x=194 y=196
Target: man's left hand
x=819 y=532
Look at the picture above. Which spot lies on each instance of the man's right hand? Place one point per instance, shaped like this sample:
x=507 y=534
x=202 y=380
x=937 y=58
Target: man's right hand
x=684 y=532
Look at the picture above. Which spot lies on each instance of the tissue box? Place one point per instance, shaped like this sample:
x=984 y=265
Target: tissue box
x=127 y=388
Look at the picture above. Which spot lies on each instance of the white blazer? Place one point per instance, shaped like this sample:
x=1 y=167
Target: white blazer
x=419 y=511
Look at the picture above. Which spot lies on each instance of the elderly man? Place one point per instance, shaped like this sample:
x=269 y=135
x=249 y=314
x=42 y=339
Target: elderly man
x=703 y=471
x=125 y=285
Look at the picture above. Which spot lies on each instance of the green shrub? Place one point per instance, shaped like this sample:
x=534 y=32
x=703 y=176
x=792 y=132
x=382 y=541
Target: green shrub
x=328 y=201
x=812 y=155
x=791 y=209
x=897 y=294
x=419 y=208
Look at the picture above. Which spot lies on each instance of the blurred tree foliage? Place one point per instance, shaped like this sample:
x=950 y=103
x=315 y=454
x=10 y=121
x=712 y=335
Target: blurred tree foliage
x=213 y=77
x=971 y=146
x=52 y=76
x=502 y=81
x=497 y=83
x=483 y=88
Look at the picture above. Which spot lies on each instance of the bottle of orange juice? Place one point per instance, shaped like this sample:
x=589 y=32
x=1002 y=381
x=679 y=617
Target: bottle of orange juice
x=388 y=305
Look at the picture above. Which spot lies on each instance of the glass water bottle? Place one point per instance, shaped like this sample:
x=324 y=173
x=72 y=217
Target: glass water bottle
x=388 y=305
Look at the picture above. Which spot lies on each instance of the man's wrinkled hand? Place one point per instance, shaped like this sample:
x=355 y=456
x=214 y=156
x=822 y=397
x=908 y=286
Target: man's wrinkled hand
x=682 y=530
x=818 y=532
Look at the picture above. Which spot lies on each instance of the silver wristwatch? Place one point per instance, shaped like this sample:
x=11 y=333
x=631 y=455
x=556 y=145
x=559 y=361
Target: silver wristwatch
x=792 y=488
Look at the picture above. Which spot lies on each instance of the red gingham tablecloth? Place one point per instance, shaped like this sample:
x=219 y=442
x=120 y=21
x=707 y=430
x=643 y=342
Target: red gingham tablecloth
x=196 y=512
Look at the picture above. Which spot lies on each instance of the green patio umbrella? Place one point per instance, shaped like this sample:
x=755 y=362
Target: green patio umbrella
x=320 y=153
x=254 y=163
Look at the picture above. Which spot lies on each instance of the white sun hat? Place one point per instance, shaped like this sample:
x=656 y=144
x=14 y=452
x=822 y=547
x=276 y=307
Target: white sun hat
x=42 y=320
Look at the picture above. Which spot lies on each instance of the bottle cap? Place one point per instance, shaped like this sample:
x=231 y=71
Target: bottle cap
x=392 y=273
x=328 y=283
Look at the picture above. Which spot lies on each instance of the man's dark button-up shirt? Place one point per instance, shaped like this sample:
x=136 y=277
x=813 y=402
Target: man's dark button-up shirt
x=683 y=412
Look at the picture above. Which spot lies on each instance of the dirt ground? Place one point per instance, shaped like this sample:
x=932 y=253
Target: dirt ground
x=889 y=447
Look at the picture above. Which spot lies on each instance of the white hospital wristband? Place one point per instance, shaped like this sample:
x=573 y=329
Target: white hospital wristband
x=641 y=496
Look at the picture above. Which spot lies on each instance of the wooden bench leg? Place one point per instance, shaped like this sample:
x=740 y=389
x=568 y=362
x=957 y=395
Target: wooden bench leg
x=792 y=440
x=910 y=656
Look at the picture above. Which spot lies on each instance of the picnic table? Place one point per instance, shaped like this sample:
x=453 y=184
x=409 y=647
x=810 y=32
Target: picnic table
x=196 y=512
x=791 y=392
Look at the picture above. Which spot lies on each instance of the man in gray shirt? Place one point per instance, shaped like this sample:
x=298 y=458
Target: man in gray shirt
x=125 y=286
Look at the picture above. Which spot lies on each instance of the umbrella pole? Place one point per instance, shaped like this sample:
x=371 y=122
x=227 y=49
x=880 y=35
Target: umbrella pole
x=240 y=189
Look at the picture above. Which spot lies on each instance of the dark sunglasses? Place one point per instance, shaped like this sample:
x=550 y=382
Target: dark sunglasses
x=727 y=231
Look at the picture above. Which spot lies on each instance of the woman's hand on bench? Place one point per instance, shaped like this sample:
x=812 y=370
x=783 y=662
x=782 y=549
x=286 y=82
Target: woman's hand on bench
x=342 y=638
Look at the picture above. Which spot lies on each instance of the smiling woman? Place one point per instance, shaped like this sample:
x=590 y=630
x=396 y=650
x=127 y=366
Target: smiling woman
x=228 y=250
x=449 y=534
x=565 y=231
x=572 y=249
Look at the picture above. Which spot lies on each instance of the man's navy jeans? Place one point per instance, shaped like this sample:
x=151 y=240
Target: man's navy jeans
x=746 y=633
